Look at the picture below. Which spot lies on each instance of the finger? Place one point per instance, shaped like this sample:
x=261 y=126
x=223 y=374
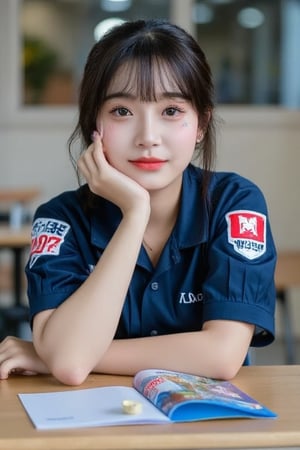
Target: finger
x=20 y=371
x=92 y=163
x=14 y=365
x=98 y=151
x=97 y=140
x=83 y=165
x=98 y=132
x=6 y=347
x=86 y=163
x=94 y=151
x=5 y=369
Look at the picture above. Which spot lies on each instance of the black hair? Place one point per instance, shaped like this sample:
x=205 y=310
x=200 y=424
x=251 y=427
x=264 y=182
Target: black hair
x=148 y=45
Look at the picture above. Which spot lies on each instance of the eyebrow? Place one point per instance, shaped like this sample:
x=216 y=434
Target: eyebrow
x=163 y=95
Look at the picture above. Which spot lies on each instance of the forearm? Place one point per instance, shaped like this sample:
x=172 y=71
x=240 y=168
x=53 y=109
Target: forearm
x=79 y=331
x=210 y=352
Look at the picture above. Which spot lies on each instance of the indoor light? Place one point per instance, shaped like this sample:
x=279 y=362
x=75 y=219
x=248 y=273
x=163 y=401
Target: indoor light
x=105 y=25
x=250 y=18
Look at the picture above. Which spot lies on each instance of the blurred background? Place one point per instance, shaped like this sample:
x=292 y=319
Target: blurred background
x=253 y=49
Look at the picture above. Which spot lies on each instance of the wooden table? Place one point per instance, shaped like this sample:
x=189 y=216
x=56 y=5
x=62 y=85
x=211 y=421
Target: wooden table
x=278 y=387
x=10 y=238
x=287 y=276
x=20 y=195
x=14 y=204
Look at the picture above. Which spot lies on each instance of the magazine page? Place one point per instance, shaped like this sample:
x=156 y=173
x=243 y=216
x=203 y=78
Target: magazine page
x=185 y=397
x=88 y=408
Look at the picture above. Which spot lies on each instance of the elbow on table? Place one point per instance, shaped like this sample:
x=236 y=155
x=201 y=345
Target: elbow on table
x=224 y=368
x=225 y=372
x=69 y=375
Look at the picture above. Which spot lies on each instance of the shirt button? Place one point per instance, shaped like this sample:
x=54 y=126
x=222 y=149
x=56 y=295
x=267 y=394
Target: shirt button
x=153 y=333
x=154 y=286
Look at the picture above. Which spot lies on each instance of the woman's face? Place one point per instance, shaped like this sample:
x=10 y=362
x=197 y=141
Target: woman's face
x=151 y=142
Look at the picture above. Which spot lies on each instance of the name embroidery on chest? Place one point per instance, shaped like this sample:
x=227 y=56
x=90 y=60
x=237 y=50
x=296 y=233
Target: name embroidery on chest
x=190 y=297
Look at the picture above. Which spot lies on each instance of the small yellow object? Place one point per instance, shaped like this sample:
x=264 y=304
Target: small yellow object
x=131 y=407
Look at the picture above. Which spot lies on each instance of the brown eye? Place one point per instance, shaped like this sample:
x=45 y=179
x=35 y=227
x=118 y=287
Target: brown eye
x=121 y=112
x=172 y=111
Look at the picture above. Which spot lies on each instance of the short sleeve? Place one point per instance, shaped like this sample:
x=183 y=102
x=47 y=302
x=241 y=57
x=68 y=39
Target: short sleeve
x=57 y=266
x=241 y=258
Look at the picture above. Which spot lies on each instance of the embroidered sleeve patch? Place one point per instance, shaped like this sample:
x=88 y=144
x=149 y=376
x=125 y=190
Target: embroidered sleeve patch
x=247 y=233
x=47 y=237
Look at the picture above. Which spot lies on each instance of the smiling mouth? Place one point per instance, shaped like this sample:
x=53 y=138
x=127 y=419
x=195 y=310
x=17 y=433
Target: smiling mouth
x=148 y=163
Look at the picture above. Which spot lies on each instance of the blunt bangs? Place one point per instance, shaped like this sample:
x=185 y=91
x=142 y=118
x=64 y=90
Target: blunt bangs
x=151 y=59
x=148 y=78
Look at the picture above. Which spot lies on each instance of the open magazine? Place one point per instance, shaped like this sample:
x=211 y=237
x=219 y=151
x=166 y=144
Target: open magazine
x=162 y=396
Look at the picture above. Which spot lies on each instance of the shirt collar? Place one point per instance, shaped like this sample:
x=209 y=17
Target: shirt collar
x=192 y=224
x=105 y=218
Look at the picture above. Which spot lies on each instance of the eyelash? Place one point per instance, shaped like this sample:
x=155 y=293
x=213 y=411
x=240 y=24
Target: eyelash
x=117 y=110
x=175 y=109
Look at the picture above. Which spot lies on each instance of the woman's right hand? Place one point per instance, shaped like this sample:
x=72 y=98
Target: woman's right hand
x=106 y=181
x=19 y=356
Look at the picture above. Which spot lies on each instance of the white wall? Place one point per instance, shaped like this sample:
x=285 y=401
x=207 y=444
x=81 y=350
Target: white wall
x=262 y=144
x=36 y=156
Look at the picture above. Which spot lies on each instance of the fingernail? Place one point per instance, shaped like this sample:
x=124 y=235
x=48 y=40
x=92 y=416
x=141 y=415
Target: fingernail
x=93 y=135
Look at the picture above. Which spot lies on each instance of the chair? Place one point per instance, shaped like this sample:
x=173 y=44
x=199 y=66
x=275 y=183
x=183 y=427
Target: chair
x=287 y=276
x=14 y=237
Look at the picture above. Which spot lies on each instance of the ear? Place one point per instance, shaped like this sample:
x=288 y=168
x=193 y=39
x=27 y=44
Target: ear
x=203 y=124
x=199 y=136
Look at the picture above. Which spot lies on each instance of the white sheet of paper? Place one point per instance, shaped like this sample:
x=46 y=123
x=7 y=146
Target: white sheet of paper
x=88 y=408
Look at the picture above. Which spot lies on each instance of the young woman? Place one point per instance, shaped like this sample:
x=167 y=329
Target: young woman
x=153 y=262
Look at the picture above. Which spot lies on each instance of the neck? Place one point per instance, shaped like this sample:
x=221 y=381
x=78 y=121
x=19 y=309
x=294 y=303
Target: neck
x=164 y=207
x=164 y=211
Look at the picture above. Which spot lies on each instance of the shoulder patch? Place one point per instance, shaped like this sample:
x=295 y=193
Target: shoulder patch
x=47 y=236
x=247 y=232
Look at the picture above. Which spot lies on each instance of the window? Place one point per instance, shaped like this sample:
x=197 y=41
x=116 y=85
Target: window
x=253 y=49
x=251 y=45
x=57 y=36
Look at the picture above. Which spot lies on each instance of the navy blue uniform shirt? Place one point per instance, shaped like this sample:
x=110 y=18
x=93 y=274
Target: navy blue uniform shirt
x=217 y=264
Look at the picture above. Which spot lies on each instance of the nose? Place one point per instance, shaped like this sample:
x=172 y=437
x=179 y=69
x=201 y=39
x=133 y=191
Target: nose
x=147 y=134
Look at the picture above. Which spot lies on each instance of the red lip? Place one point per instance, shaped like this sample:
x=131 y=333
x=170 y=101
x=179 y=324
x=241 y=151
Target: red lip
x=148 y=163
